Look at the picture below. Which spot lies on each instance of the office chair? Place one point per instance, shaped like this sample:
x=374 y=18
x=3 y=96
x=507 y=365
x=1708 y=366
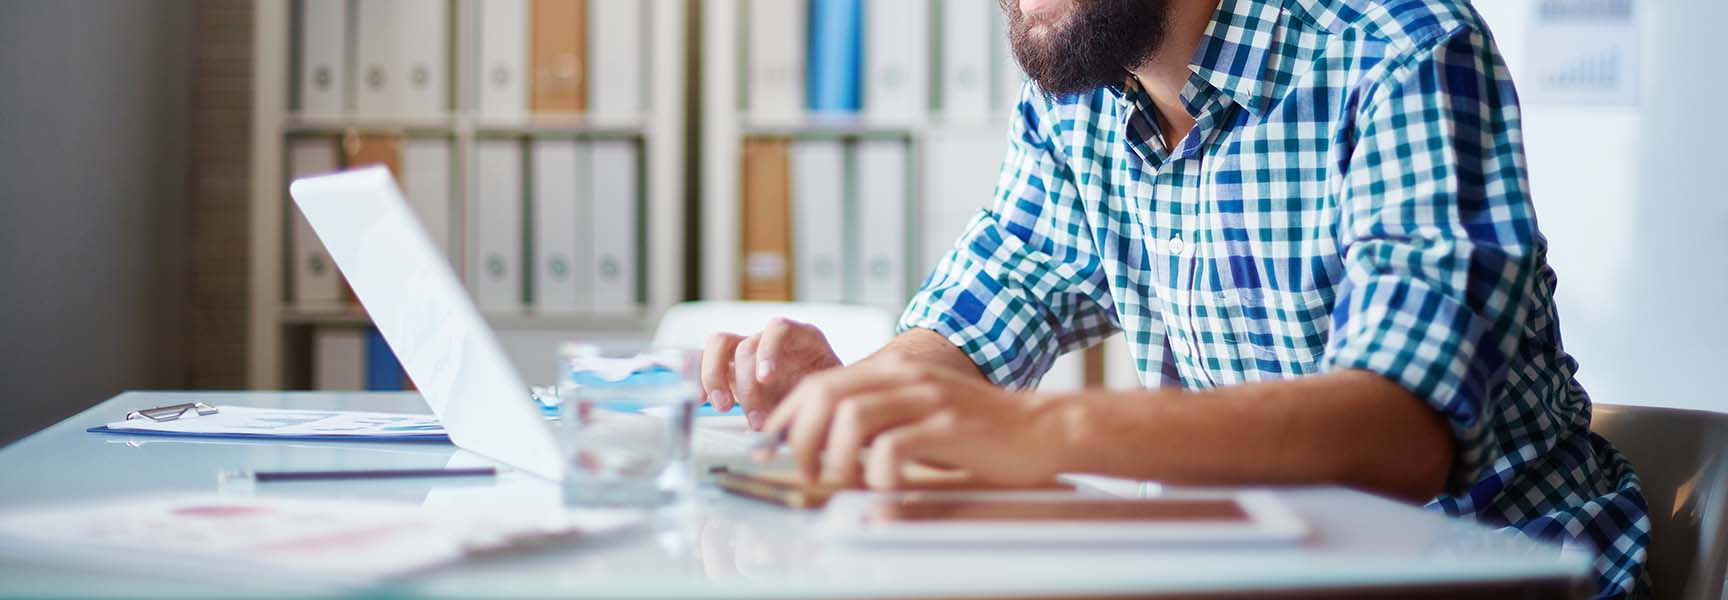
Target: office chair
x=1681 y=457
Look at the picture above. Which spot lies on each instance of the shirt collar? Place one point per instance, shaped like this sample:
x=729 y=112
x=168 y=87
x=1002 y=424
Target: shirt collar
x=1235 y=54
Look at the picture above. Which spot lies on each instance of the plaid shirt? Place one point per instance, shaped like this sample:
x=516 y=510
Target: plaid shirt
x=1353 y=196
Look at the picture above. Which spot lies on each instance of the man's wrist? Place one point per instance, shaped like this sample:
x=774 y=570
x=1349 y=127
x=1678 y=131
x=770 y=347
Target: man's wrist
x=927 y=346
x=1061 y=423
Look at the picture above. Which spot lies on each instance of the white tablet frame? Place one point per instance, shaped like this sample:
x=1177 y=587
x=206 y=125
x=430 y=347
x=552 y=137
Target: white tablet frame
x=1270 y=520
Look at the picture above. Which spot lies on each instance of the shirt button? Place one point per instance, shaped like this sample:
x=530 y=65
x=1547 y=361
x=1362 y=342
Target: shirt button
x=1176 y=246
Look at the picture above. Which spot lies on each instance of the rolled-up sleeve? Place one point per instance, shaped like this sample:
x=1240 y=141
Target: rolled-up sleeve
x=1440 y=240
x=1022 y=285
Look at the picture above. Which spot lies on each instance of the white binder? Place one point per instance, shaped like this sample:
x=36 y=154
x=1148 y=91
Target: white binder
x=323 y=77
x=339 y=359
x=422 y=57
x=426 y=177
x=495 y=269
x=775 y=41
x=376 y=83
x=316 y=286
x=616 y=179
x=401 y=50
x=960 y=172
x=560 y=251
x=897 y=60
x=1067 y=374
x=1120 y=370
x=818 y=204
x=966 y=60
x=883 y=190
x=617 y=56
x=503 y=62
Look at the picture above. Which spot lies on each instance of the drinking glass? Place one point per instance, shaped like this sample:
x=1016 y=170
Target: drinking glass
x=624 y=425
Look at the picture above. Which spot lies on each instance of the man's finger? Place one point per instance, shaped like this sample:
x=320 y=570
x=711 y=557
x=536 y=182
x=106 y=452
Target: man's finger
x=861 y=378
x=769 y=350
x=744 y=387
x=810 y=429
x=884 y=468
x=859 y=418
x=717 y=369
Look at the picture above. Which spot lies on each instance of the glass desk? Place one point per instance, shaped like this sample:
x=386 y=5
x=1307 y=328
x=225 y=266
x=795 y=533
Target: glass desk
x=1361 y=545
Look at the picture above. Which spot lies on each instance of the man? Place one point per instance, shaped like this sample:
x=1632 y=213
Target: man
x=1309 y=218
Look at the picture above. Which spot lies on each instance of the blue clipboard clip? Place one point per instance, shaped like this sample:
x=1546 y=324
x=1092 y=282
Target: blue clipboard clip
x=172 y=412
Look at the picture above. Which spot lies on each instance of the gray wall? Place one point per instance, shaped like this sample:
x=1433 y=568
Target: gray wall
x=93 y=102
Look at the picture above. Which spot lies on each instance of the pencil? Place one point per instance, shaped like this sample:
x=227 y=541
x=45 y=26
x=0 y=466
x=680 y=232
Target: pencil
x=263 y=476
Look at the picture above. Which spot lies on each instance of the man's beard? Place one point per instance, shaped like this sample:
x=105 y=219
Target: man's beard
x=1092 y=47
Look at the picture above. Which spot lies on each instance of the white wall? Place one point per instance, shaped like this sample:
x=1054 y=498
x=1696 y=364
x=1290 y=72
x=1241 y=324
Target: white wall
x=1635 y=208
x=93 y=97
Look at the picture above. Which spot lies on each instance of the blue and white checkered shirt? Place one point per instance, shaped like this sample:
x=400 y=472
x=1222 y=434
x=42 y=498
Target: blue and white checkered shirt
x=1353 y=196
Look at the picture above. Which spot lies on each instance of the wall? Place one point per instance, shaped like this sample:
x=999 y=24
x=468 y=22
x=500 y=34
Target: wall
x=1632 y=201
x=93 y=98
x=219 y=194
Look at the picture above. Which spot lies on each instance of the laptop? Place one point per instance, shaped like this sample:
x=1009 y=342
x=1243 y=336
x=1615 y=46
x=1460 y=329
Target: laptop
x=419 y=305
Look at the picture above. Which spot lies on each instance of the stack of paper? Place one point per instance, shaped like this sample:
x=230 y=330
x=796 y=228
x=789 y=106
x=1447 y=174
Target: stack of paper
x=334 y=540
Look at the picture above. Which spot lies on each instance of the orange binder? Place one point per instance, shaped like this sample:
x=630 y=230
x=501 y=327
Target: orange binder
x=560 y=56
x=767 y=221
x=359 y=150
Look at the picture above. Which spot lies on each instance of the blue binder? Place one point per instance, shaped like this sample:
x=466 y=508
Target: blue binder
x=836 y=50
x=383 y=372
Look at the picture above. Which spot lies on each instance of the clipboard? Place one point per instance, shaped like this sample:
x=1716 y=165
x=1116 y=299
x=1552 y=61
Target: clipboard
x=199 y=420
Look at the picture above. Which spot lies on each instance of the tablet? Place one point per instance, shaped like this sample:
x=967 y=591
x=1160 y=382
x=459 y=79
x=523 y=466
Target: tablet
x=1061 y=517
x=786 y=487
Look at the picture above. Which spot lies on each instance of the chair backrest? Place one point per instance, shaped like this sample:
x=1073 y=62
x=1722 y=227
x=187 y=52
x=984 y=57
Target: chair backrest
x=1681 y=457
x=853 y=331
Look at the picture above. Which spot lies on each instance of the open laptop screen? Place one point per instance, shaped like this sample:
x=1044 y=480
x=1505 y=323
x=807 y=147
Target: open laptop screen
x=427 y=317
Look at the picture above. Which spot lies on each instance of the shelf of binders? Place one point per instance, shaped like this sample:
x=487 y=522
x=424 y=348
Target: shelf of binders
x=819 y=112
x=541 y=143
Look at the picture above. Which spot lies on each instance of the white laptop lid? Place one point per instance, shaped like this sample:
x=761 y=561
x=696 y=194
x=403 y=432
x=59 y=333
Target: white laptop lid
x=426 y=316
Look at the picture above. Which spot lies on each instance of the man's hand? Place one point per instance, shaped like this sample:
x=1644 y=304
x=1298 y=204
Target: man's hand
x=757 y=371
x=906 y=411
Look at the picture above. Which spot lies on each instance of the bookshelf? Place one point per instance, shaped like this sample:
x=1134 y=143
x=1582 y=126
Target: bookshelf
x=280 y=329
x=728 y=120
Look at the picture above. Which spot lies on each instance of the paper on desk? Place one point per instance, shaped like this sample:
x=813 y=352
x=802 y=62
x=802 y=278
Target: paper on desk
x=724 y=440
x=337 y=540
x=284 y=423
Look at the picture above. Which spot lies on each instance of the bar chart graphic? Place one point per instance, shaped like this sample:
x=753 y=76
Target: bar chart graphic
x=1583 y=52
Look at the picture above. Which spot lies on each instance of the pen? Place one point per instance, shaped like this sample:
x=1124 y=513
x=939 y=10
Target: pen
x=265 y=476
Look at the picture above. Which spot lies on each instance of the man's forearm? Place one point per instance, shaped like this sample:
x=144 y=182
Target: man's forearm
x=929 y=347
x=1353 y=428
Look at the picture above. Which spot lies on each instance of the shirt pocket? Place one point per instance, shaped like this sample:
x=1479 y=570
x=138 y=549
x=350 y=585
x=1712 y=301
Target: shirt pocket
x=1286 y=330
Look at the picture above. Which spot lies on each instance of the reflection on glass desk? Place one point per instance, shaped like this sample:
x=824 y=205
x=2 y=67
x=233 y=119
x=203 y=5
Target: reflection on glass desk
x=733 y=547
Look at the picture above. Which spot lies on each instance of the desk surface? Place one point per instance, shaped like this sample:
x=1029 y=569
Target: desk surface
x=738 y=548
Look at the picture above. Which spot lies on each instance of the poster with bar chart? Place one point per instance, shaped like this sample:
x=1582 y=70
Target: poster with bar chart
x=1583 y=52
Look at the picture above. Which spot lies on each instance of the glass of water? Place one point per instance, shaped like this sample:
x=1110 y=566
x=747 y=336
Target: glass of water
x=624 y=425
